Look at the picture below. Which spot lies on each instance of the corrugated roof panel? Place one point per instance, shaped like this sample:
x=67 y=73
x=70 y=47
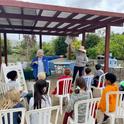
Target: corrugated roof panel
x=27 y=11
x=63 y=25
x=14 y=10
x=74 y=26
x=105 y=18
x=64 y=14
x=93 y=17
x=16 y=21
x=48 y=13
x=28 y=23
x=41 y=23
x=52 y=24
x=84 y=26
x=3 y=21
x=79 y=16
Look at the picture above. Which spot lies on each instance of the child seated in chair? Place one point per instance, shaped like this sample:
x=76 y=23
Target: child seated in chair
x=67 y=73
x=80 y=93
x=97 y=74
x=40 y=99
x=41 y=76
x=12 y=100
x=12 y=83
x=88 y=77
x=110 y=86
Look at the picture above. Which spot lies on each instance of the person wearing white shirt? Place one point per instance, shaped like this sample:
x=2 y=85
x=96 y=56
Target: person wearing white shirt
x=40 y=99
x=12 y=83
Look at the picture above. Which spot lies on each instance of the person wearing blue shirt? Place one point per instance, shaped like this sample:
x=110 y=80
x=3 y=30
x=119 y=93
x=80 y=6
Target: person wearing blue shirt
x=41 y=63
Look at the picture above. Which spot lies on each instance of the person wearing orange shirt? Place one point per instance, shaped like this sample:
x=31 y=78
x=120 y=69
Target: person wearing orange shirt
x=110 y=86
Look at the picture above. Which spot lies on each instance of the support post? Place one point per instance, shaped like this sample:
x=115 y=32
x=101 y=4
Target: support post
x=5 y=49
x=107 y=43
x=0 y=51
x=40 y=43
x=83 y=39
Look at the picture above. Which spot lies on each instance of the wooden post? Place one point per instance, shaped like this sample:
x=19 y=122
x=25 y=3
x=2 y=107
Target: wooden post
x=5 y=48
x=40 y=43
x=107 y=43
x=0 y=52
x=83 y=39
x=69 y=51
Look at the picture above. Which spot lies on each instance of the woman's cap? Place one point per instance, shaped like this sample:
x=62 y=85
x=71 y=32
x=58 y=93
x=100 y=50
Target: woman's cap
x=82 y=49
x=40 y=52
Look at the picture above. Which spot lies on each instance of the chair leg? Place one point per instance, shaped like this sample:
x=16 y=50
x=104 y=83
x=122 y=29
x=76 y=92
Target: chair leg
x=112 y=120
x=61 y=104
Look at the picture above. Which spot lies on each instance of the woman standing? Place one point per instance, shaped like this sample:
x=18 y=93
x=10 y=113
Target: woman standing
x=40 y=63
x=81 y=61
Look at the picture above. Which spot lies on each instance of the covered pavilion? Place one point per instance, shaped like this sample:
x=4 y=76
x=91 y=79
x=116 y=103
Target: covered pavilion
x=41 y=19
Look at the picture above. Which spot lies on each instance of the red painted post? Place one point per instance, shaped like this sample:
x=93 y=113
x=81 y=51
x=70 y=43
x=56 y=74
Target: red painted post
x=107 y=43
x=83 y=39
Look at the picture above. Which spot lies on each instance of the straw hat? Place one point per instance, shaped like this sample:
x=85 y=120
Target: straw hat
x=40 y=52
x=82 y=49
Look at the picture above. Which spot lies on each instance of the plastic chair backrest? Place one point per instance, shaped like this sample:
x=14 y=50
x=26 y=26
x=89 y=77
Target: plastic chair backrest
x=7 y=115
x=90 y=106
x=42 y=116
x=48 y=93
x=67 y=83
x=101 y=82
x=3 y=88
x=119 y=103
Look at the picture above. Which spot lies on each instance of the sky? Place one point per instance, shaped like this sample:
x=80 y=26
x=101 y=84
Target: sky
x=104 y=5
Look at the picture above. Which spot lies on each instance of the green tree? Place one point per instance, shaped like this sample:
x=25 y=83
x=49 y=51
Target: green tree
x=9 y=47
x=92 y=40
x=28 y=46
x=48 y=48
x=117 y=45
x=60 y=46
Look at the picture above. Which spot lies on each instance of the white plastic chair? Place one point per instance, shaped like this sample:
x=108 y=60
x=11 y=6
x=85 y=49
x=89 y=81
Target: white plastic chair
x=7 y=115
x=42 y=116
x=67 y=83
x=90 y=106
x=88 y=79
x=3 y=88
x=100 y=87
x=102 y=79
x=119 y=106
